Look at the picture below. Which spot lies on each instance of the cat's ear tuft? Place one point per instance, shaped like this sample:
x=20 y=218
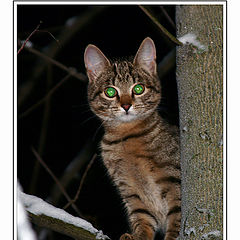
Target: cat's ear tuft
x=95 y=62
x=146 y=56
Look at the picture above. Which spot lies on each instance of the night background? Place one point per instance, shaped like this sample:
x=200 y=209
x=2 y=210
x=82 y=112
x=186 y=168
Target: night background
x=55 y=122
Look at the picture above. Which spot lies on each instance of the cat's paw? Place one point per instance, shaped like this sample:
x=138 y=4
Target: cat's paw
x=126 y=236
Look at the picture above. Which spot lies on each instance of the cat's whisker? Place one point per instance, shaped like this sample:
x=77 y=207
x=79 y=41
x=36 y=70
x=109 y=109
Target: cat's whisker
x=86 y=111
x=94 y=136
x=81 y=105
x=82 y=123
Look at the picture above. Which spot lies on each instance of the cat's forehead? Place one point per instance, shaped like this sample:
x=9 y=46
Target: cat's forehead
x=123 y=73
x=122 y=67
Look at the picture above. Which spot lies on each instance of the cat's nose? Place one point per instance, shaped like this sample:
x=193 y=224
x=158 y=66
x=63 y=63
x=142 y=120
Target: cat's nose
x=126 y=107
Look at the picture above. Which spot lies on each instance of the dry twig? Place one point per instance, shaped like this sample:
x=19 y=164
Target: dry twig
x=73 y=72
x=46 y=215
x=56 y=180
x=167 y=63
x=67 y=33
x=168 y=17
x=24 y=114
x=28 y=38
x=81 y=182
x=74 y=167
x=163 y=29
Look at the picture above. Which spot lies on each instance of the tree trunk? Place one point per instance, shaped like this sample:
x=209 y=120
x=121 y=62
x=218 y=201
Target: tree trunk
x=200 y=86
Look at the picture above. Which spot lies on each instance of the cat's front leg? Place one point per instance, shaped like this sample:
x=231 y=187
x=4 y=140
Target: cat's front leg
x=173 y=225
x=142 y=230
x=126 y=236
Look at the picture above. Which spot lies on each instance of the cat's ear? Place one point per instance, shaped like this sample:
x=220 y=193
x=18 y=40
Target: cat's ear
x=95 y=62
x=146 y=56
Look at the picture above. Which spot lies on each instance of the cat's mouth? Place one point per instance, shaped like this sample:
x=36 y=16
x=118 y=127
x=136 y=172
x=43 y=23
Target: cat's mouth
x=127 y=116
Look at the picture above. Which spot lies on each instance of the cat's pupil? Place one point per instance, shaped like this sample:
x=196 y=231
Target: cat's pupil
x=110 y=92
x=138 y=89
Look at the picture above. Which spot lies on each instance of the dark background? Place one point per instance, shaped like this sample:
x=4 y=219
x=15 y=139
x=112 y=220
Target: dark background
x=62 y=129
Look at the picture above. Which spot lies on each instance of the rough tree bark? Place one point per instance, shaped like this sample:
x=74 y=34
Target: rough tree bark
x=200 y=86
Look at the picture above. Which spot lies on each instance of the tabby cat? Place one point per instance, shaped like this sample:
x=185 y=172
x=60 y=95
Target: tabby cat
x=139 y=149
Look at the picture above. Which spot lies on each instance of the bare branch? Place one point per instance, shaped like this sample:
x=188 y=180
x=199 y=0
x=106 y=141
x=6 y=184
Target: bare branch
x=25 y=42
x=56 y=180
x=46 y=215
x=167 y=63
x=43 y=132
x=67 y=33
x=24 y=114
x=45 y=31
x=73 y=72
x=168 y=17
x=81 y=182
x=74 y=167
x=163 y=29
x=69 y=30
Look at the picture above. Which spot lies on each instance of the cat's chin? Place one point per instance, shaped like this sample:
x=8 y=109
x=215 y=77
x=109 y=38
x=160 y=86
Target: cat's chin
x=127 y=117
x=119 y=119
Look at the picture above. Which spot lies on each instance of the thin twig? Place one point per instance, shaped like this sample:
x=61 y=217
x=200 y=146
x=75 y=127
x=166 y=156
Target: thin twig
x=163 y=29
x=67 y=33
x=45 y=31
x=43 y=131
x=70 y=70
x=55 y=179
x=34 y=31
x=74 y=167
x=167 y=63
x=168 y=17
x=25 y=42
x=81 y=182
x=36 y=105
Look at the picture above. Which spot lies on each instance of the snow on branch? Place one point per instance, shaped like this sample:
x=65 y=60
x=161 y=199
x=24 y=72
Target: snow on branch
x=24 y=230
x=45 y=215
x=191 y=38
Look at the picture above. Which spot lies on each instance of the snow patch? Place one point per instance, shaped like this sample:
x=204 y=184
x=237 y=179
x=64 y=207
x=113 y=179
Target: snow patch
x=37 y=206
x=213 y=234
x=190 y=231
x=28 y=44
x=204 y=210
x=191 y=38
x=24 y=229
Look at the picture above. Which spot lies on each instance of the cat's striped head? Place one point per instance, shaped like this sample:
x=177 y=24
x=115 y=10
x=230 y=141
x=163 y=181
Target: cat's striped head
x=123 y=91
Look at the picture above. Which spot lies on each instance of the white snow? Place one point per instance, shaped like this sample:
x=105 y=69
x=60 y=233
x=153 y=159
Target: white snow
x=211 y=234
x=24 y=230
x=28 y=44
x=37 y=206
x=185 y=129
x=191 y=38
x=190 y=231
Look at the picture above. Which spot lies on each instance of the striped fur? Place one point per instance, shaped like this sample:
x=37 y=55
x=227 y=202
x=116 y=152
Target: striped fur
x=140 y=150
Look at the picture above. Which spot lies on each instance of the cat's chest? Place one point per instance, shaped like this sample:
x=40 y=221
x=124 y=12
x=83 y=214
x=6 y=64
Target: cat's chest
x=123 y=152
x=132 y=173
x=128 y=161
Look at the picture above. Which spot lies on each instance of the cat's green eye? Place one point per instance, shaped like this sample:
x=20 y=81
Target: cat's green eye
x=110 y=92
x=138 y=89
